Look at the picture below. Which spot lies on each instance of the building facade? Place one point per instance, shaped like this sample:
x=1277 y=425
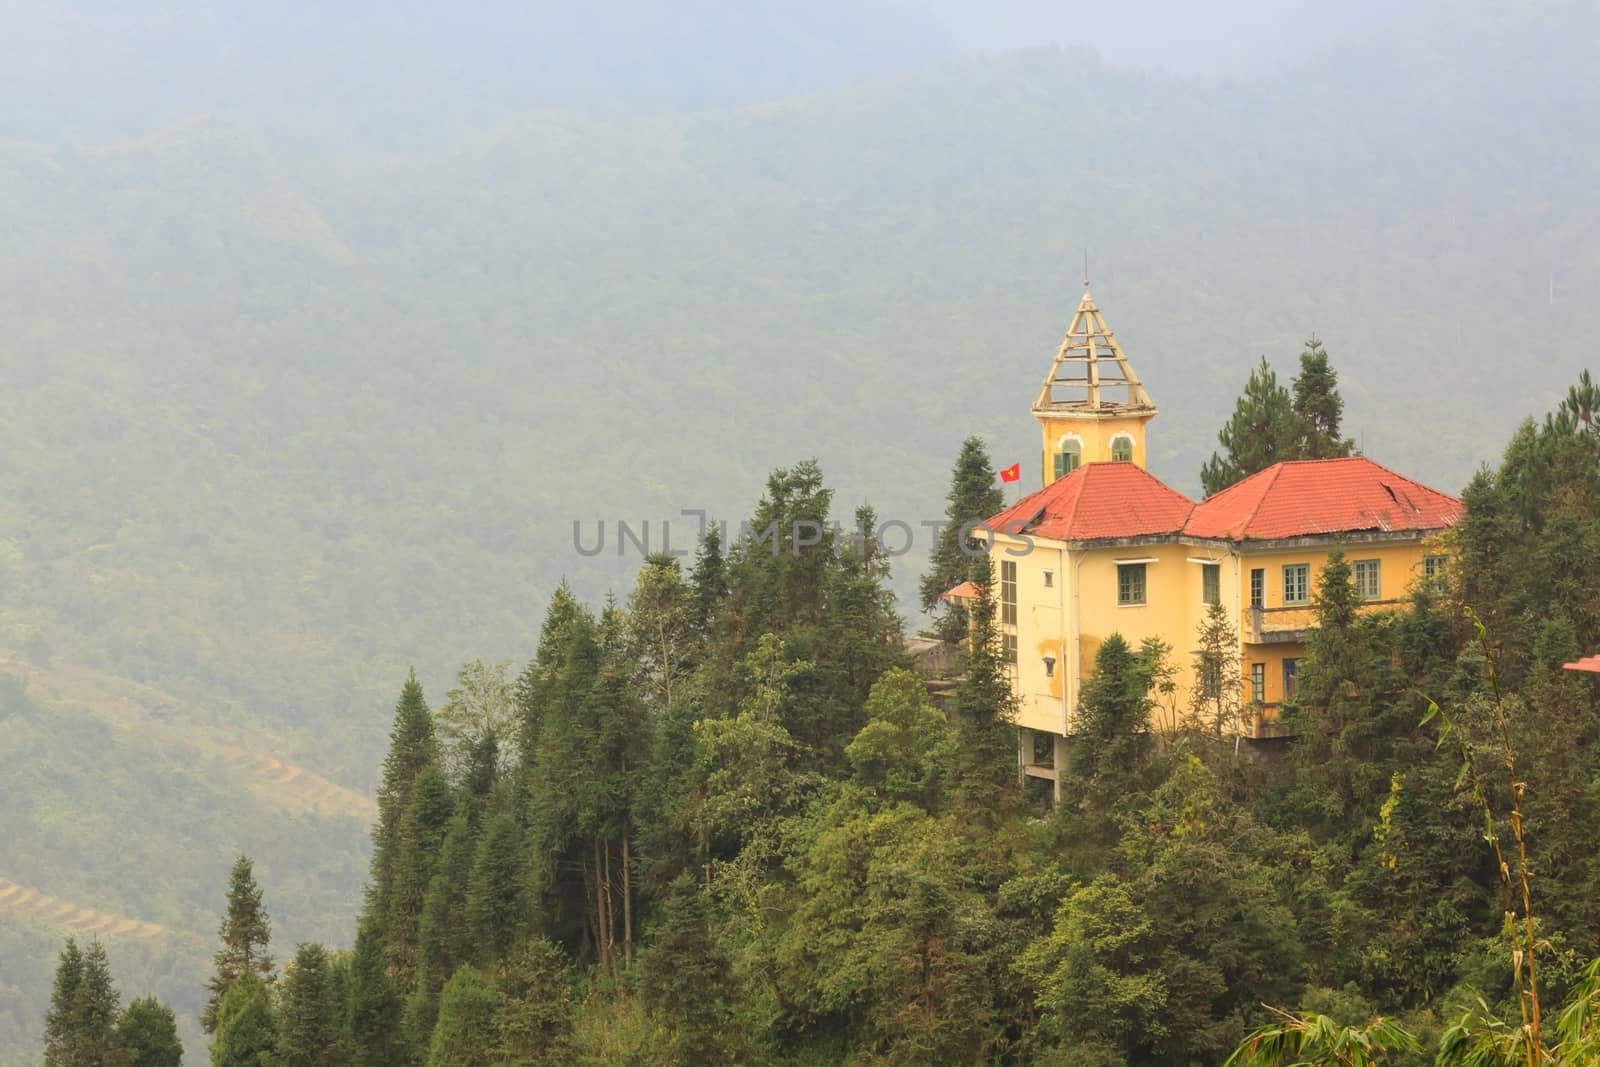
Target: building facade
x=1107 y=548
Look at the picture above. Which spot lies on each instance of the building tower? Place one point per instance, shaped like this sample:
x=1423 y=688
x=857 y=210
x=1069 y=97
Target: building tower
x=1092 y=407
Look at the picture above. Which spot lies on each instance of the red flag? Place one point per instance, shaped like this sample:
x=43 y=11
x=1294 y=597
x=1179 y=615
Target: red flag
x=1011 y=473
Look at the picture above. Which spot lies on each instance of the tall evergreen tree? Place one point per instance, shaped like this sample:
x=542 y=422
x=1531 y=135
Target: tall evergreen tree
x=1113 y=739
x=417 y=847
x=534 y=1019
x=412 y=747
x=247 y=1027
x=1264 y=430
x=58 y=1021
x=308 y=1012
x=709 y=580
x=1319 y=407
x=974 y=496
x=685 y=977
x=465 y=1035
x=245 y=932
x=495 y=908
x=987 y=711
x=373 y=1025
x=81 y=1026
x=148 y=1032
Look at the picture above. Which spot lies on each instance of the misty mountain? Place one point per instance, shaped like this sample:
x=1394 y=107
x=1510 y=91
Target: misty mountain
x=289 y=413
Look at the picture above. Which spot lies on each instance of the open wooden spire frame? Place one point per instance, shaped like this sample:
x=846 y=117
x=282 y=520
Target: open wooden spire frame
x=1090 y=360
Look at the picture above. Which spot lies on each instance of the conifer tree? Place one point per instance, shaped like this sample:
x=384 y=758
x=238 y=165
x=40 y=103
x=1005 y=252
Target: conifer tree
x=709 y=581
x=465 y=1035
x=247 y=1027
x=1319 y=407
x=417 y=848
x=684 y=976
x=973 y=497
x=536 y=680
x=245 y=932
x=495 y=907
x=1264 y=430
x=58 y=1021
x=1215 y=703
x=986 y=704
x=412 y=747
x=442 y=929
x=308 y=1012
x=81 y=1025
x=373 y=1024
x=1112 y=740
x=148 y=1032
x=534 y=1018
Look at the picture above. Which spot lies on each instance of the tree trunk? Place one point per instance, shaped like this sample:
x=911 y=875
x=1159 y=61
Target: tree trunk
x=627 y=899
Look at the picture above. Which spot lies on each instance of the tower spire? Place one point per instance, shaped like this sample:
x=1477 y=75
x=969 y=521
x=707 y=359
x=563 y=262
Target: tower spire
x=1090 y=368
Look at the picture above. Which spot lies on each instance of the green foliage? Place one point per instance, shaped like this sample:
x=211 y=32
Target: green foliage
x=246 y=931
x=1269 y=425
x=466 y=1034
x=246 y=1026
x=1318 y=1041
x=534 y=1018
x=309 y=1022
x=81 y=1029
x=974 y=496
x=148 y=1033
x=373 y=1005
x=903 y=751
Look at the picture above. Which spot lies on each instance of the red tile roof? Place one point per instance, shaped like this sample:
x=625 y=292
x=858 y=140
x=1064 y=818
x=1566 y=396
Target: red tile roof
x=1095 y=501
x=1587 y=663
x=1304 y=497
x=964 y=591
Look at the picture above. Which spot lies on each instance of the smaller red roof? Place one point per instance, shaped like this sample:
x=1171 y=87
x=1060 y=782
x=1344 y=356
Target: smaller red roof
x=1322 y=496
x=964 y=591
x=1098 y=500
x=1587 y=663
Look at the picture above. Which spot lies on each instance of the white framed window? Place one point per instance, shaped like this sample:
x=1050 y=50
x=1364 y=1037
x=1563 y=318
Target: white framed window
x=1297 y=583
x=1433 y=571
x=1368 y=578
x=1258 y=682
x=1211 y=583
x=1122 y=449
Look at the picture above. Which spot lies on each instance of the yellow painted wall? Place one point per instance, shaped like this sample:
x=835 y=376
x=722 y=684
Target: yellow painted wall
x=1095 y=433
x=1070 y=618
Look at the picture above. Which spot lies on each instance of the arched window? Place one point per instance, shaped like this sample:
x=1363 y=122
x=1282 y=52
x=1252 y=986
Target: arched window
x=1122 y=449
x=1069 y=453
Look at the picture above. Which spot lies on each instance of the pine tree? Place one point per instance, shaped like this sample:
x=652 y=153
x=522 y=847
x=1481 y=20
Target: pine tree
x=986 y=704
x=417 y=847
x=58 y=1021
x=973 y=497
x=709 y=581
x=1264 y=430
x=1319 y=407
x=373 y=1025
x=534 y=1019
x=1112 y=741
x=412 y=746
x=465 y=1035
x=81 y=1025
x=245 y=932
x=247 y=1028
x=495 y=909
x=685 y=976
x=442 y=929
x=1215 y=702
x=148 y=1032
x=308 y=1012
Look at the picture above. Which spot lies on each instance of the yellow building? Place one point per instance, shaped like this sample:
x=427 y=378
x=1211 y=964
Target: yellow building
x=1105 y=547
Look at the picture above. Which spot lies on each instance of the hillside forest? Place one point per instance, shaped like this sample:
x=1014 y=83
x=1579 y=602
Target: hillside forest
x=720 y=821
